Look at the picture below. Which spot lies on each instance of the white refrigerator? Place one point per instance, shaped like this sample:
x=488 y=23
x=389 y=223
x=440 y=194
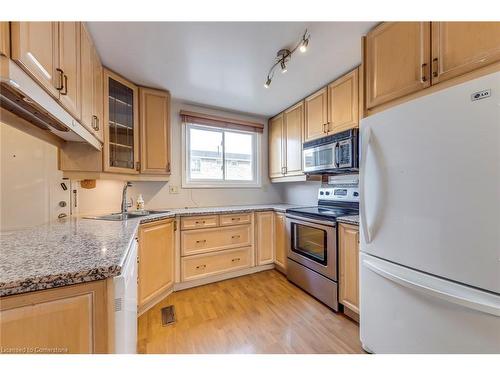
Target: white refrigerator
x=430 y=223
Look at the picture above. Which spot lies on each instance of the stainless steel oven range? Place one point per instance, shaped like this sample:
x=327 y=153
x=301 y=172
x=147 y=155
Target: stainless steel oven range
x=312 y=239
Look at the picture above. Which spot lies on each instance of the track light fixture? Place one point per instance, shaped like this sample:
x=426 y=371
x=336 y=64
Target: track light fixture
x=284 y=55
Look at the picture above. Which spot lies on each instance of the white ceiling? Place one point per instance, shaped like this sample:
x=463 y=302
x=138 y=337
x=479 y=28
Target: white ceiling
x=224 y=64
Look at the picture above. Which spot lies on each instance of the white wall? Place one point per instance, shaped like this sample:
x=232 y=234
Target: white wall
x=301 y=193
x=106 y=196
x=29 y=180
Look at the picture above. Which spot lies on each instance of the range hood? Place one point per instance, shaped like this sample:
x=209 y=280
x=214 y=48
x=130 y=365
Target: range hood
x=21 y=95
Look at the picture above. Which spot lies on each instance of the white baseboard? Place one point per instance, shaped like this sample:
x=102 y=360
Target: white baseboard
x=225 y=276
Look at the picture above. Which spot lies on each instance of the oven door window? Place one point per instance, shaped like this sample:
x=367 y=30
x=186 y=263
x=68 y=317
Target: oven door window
x=309 y=242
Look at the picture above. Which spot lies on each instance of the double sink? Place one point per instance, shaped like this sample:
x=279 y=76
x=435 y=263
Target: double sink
x=127 y=215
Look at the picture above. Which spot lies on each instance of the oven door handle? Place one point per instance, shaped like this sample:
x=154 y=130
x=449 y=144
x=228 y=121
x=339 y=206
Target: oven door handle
x=306 y=220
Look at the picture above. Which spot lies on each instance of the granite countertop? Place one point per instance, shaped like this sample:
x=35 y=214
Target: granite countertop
x=76 y=250
x=351 y=219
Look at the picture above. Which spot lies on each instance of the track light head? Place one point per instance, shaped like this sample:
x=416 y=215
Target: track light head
x=283 y=66
x=268 y=83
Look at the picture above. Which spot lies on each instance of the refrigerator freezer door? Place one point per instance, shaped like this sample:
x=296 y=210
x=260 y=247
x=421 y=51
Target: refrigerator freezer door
x=430 y=184
x=405 y=311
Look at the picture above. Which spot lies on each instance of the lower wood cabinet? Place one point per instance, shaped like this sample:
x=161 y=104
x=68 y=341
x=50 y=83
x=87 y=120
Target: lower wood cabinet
x=72 y=319
x=348 y=240
x=215 y=239
x=214 y=263
x=264 y=237
x=156 y=261
x=280 y=241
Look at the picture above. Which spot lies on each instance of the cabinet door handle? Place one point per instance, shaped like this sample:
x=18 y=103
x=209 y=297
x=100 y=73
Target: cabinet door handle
x=201 y=241
x=435 y=67
x=168 y=167
x=201 y=266
x=65 y=86
x=424 y=77
x=61 y=74
x=236 y=218
x=199 y=222
x=235 y=259
x=324 y=128
x=96 y=123
x=235 y=237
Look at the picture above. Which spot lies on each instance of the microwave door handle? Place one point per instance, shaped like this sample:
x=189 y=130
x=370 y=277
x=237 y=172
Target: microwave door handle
x=336 y=155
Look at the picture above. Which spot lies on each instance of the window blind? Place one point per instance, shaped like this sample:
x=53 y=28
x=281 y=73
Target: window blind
x=220 y=122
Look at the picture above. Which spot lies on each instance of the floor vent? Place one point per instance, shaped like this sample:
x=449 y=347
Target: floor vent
x=168 y=315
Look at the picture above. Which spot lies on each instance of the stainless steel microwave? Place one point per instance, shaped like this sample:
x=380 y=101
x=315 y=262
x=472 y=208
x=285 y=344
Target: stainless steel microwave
x=337 y=153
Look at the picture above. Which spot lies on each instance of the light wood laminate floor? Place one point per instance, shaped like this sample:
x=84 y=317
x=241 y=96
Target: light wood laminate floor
x=258 y=313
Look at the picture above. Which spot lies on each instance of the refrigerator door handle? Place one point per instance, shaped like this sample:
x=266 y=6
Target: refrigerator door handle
x=362 y=212
x=492 y=308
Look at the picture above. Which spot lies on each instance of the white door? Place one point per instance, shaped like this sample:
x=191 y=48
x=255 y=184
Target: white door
x=405 y=311
x=430 y=184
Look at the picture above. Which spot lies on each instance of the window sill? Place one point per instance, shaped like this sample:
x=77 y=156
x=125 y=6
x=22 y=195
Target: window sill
x=201 y=185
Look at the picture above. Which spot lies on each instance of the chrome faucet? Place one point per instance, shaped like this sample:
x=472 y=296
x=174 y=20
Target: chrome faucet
x=125 y=204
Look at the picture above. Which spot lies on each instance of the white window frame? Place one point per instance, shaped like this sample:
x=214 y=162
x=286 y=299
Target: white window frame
x=256 y=162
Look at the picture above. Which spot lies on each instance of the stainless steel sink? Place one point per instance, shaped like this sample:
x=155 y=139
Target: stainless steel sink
x=127 y=215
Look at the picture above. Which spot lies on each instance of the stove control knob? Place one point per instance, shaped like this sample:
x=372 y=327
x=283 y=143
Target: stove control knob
x=327 y=193
x=356 y=194
x=321 y=193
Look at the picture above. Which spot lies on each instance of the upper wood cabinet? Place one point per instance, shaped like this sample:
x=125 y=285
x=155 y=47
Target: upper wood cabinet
x=349 y=266
x=97 y=102
x=343 y=103
x=50 y=52
x=4 y=39
x=397 y=60
x=333 y=108
x=293 y=128
x=316 y=115
x=35 y=46
x=69 y=63
x=276 y=148
x=72 y=319
x=121 y=125
x=460 y=47
x=264 y=237
x=156 y=260
x=280 y=241
x=155 y=131
x=91 y=88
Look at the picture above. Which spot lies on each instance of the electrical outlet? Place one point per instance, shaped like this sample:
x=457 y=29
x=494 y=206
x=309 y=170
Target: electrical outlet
x=173 y=189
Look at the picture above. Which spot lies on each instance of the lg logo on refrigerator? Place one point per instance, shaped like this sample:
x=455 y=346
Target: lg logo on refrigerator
x=480 y=95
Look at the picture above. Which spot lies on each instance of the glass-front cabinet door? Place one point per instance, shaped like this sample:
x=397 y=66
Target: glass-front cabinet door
x=121 y=148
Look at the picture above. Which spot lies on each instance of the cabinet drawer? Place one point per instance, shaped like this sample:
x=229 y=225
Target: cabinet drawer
x=234 y=219
x=195 y=222
x=198 y=266
x=205 y=240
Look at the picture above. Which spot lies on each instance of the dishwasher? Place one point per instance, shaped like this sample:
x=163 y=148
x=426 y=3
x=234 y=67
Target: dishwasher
x=125 y=286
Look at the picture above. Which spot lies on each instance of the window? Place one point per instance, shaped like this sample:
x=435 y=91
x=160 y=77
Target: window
x=220 y=157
